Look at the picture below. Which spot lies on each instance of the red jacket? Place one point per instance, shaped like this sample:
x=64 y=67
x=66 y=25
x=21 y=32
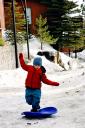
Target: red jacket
x=34 y=76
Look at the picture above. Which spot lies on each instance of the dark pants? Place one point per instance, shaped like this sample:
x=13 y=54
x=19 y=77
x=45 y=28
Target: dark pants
x=32 y=97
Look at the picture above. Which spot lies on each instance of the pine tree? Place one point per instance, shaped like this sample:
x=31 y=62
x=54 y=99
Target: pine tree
x=83 y=30
x=61 y=25
x=20 y=22
x=42 y=31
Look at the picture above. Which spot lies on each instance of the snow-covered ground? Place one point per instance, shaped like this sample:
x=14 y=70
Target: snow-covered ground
x=69 y=97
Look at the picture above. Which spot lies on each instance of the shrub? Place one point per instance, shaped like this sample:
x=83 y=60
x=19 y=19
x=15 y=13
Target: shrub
x=2 y=43
x=20 y=37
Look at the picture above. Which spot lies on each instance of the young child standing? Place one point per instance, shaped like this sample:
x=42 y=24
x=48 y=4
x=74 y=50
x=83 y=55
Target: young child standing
x=35 y=74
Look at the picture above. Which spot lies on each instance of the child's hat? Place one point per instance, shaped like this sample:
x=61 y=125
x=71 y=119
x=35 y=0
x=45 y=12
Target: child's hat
x=37 y=61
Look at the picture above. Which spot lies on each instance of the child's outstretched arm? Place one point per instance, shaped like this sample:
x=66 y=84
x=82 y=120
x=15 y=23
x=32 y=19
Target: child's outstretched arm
x=22 y=62
x=49 y=82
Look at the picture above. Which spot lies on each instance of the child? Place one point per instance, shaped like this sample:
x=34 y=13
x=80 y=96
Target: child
x=35 y=74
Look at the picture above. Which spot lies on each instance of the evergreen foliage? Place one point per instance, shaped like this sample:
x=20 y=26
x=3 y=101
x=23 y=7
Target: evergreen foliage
x=62 y=25
x=19 y=22
x=19 y=17
x=42 y=30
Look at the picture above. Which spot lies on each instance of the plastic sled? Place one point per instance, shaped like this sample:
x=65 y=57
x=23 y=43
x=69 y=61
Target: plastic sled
x=42 y=113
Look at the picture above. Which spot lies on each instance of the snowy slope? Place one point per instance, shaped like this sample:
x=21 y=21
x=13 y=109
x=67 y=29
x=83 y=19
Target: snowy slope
x=69 y=97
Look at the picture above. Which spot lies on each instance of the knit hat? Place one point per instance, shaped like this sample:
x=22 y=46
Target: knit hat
x=37 y=61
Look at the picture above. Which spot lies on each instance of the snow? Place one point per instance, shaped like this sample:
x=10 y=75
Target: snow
x=69 y=97
x=79 y=2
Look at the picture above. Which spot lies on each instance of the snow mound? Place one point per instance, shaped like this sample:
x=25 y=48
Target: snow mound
x=35 y=47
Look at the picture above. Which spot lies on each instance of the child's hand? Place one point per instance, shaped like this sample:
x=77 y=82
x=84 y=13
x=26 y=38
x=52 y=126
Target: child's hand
x=20 y=55
x=57 y=84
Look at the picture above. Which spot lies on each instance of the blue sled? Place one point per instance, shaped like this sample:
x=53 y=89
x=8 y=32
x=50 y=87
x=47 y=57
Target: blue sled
x=42 y=113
